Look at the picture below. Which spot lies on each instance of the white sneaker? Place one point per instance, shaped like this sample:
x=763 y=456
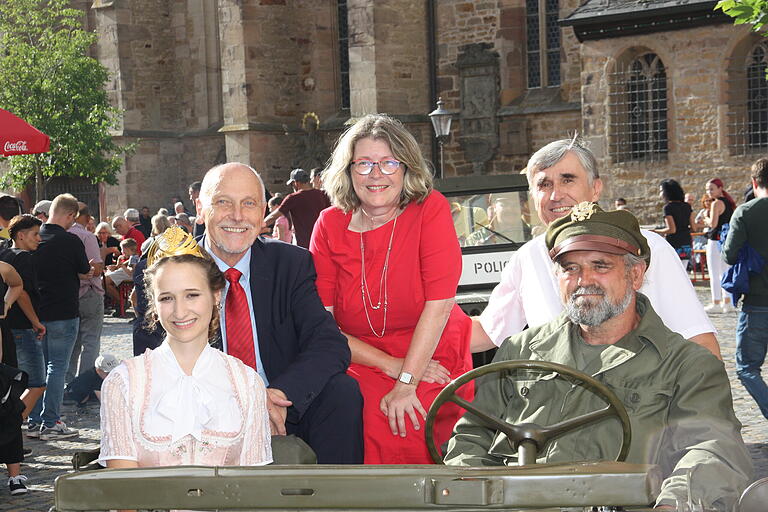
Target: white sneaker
x=714 y=308
x=58 y=431
x=728 y=307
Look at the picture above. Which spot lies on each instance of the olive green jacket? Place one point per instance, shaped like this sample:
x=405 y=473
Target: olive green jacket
x=676 y=393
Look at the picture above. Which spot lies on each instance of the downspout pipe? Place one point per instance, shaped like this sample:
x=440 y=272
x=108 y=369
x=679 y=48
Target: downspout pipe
x=431 y=14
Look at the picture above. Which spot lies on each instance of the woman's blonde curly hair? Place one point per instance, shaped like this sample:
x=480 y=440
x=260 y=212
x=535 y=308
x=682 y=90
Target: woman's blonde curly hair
x=213 y=275
x=417 y=178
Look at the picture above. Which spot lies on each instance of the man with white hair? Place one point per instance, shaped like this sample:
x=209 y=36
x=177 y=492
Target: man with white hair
x=273 y=320
x=183 y=220
x=561 y=175
x=42 y=209
x=126 y=226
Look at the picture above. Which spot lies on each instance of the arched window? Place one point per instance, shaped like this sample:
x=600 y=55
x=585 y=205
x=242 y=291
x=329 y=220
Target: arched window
x=747 y=93
x=639 y=110
x=542 y=43
x=757 y=97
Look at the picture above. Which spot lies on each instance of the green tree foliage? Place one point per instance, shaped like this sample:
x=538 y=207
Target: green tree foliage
x=745 y=11
x=48 y=79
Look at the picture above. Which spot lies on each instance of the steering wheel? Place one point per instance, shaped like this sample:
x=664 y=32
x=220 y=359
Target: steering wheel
x=529 y=438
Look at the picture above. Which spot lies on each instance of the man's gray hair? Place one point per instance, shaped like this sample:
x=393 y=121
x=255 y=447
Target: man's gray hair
x=132 y=215
x=555 y=151
x=630 y=260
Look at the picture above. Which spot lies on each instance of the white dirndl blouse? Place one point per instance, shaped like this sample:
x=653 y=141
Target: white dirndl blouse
x=155 y=414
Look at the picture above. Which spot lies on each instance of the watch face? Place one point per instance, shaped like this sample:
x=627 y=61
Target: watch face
x=406 y=378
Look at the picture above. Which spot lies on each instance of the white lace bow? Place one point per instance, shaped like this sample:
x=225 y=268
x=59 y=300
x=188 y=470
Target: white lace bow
x=197 y=402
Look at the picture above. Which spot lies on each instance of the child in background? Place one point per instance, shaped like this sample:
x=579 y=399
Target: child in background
x=282 y=230
x=122 y=270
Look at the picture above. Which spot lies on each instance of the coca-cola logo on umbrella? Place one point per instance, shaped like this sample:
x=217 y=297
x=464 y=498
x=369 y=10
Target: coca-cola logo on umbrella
x=12 y=147
x=17 y=137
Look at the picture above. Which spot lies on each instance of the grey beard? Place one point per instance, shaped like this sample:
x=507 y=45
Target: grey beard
x=595 y=314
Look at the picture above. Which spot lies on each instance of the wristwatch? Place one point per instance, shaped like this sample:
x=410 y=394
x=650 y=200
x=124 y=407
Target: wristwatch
x=406 y=378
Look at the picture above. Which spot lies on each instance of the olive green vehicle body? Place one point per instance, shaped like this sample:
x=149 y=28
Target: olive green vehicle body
x=349 y=488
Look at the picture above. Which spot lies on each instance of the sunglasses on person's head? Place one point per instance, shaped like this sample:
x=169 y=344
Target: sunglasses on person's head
x=365 y=166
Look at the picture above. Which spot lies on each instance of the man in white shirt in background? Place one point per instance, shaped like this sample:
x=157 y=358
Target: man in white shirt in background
x=561 y=175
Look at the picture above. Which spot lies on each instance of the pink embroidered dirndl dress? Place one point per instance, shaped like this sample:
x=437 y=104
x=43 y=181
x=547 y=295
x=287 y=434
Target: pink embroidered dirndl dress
x=154 y=414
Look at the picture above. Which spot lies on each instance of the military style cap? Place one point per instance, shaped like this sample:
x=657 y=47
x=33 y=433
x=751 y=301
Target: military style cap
x=590 y=228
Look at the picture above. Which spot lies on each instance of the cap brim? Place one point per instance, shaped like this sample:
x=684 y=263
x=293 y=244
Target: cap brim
x=586 y=246
x=289 y=181
x=593 y=243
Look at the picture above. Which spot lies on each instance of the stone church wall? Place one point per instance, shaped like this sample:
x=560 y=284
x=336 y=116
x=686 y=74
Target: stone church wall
x=527 y=119
x=697 y=63
x=204 y=82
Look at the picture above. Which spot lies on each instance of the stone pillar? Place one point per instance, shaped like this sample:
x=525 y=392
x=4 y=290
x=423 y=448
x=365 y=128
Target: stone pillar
x=388 y=66
x=235 y=89
x=278 y=65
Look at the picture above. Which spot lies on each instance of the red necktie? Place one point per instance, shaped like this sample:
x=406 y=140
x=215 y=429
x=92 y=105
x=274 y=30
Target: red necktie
x=238 y=321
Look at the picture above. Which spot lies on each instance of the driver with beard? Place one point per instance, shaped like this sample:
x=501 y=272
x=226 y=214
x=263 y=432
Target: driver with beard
x=676 y=393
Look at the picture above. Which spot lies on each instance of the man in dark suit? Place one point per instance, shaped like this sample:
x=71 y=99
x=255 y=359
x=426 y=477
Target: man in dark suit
x=273 y=320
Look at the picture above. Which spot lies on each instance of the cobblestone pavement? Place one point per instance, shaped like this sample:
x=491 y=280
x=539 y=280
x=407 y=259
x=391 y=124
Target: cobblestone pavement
x=51 y=459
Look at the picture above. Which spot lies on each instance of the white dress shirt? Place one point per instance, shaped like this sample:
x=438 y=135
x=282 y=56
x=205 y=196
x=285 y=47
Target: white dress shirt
x=528 y=293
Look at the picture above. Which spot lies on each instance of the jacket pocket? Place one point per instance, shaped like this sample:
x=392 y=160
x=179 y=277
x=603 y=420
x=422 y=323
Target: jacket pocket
x=648 y=410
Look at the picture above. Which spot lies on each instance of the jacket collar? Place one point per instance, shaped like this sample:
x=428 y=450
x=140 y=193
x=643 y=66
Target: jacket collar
x=547 y=344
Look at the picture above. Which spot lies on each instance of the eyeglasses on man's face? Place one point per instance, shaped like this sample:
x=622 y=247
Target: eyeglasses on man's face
x=386 y=166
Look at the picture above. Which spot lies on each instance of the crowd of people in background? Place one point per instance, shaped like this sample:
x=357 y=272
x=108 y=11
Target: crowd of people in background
x=333 y=310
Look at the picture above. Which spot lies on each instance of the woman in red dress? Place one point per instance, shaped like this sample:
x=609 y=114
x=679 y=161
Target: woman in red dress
x=388 y=263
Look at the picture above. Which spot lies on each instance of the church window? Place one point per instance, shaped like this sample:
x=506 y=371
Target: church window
x=638 y=104
x=757 y=97
x=343 y=44
x=542 y=43
x=747 y=96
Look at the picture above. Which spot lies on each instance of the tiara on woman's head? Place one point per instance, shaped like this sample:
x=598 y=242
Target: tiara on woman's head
x=174 y=241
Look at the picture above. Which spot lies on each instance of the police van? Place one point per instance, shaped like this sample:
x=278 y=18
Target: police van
x=493 y=217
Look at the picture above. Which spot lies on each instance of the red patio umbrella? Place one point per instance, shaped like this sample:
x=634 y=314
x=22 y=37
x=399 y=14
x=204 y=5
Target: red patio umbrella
x=17 y=137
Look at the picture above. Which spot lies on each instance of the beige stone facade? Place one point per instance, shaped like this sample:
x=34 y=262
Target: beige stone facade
x=259 y=81
x=701 y=68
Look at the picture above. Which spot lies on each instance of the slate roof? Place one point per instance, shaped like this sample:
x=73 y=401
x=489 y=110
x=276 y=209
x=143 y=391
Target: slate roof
x=600 y=19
